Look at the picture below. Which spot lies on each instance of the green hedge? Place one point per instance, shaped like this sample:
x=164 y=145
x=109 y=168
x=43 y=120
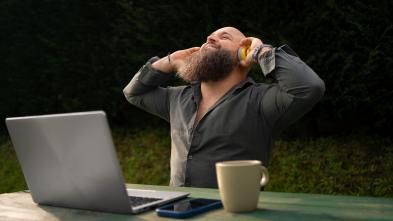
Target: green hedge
x=333 y=165
x=74 y=55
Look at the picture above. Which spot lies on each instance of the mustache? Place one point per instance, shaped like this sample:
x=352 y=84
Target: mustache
x=203 y=47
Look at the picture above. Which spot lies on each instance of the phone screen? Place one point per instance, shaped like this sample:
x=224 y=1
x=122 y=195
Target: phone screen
x=189 y=205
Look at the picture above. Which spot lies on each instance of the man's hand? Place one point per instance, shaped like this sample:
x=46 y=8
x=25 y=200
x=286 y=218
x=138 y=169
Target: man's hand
x=173 y=62
x=252 y=43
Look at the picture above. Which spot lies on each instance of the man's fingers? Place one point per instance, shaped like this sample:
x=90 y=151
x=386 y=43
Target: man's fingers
x=181 y=54
x=193 y=49
x=177 y=57
x=187 y=52
x=246 y=41
x=250 y=42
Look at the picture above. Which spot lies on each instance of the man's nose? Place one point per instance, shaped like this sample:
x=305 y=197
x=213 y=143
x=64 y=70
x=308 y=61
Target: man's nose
x=211 y=39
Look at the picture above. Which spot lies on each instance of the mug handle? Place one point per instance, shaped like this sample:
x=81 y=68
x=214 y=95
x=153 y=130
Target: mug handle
x=265 y=176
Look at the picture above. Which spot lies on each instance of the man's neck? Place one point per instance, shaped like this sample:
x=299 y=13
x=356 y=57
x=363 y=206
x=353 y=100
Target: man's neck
x=214 y=90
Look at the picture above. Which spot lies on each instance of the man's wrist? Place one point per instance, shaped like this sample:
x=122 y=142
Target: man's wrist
x=262 y=52
x=267 y=60
x=164 y=65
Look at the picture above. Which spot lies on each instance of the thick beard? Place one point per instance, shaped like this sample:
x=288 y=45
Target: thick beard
x=207 y=66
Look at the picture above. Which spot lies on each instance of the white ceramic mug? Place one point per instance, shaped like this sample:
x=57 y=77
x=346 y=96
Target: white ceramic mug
x=239 y=183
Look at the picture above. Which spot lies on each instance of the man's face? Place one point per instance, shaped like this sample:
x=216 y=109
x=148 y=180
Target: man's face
x=224 y=38
x=216 y=58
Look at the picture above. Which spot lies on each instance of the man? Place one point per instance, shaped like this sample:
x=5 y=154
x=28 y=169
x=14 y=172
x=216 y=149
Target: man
x=223 y=115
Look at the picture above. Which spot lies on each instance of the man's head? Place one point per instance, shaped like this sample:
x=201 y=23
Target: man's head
x=216 y=59
x=226 y=38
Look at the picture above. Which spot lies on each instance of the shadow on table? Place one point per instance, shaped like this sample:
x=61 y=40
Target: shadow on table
x=78 y=214
x=284 y=215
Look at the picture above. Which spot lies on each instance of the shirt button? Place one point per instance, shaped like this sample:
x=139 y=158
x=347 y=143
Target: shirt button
x=190 y=157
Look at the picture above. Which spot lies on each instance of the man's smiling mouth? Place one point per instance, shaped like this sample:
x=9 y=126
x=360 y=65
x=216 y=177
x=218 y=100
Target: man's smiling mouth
x=208 y=46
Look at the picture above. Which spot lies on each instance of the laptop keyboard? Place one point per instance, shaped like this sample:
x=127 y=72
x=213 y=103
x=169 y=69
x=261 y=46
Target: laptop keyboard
x=137 y=201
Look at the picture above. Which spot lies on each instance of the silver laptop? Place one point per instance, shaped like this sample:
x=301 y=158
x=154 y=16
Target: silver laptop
x=69 y=160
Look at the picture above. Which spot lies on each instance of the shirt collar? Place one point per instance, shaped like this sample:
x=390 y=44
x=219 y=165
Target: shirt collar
x=243 y=84
x=196 y=88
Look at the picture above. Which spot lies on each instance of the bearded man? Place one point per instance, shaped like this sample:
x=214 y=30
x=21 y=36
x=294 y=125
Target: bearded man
x=223 y=114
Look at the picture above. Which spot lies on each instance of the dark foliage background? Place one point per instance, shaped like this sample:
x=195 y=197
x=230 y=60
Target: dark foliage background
x=71 y=55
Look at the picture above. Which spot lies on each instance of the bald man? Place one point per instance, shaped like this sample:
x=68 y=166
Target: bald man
x=223 y=114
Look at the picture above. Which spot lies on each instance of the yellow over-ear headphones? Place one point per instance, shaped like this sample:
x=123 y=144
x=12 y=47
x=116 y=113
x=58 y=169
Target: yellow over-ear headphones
x=242 y=53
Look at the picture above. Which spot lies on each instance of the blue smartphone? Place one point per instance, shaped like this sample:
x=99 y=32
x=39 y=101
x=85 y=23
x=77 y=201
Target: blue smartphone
x=188 y=208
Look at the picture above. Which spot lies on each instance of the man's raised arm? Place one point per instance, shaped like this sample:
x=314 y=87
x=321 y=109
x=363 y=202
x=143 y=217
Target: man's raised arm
x=147 y=89
x=297 y=90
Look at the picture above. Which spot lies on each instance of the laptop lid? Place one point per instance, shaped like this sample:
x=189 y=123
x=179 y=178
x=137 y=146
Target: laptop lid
x=69 y=160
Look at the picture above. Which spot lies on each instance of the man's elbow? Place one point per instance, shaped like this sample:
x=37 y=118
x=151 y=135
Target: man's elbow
x=131 y=97
x=317 y=89
x=126 y=93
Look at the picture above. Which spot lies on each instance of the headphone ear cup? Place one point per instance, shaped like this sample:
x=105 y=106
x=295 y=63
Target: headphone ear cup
x=241 y=53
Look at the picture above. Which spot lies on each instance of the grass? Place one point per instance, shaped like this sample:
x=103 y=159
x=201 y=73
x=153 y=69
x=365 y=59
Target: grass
x=144 y=156
x=11 y=177
x=350 y=166
x=332 y=165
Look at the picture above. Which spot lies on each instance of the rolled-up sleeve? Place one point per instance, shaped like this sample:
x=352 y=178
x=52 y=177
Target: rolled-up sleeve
x=297 y=89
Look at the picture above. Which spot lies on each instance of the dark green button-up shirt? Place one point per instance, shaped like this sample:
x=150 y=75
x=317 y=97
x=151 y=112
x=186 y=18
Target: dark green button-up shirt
x=241 y=125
